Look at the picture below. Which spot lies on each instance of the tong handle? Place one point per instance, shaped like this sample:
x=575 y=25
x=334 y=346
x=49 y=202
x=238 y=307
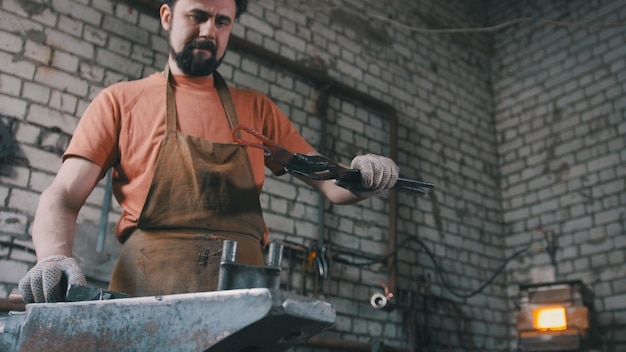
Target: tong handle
x=406 y=185
x=316 y=167
x=321 y=168
x=351 y=179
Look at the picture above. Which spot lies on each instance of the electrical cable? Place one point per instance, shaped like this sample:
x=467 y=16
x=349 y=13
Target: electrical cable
x=438 y=269
x=448 y=287
x=497 y=27
x=373 y=261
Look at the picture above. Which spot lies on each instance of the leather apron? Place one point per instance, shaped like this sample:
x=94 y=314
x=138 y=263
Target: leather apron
x=201 y=193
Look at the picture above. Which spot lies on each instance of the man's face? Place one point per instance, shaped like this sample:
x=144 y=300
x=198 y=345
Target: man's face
x=198 y=34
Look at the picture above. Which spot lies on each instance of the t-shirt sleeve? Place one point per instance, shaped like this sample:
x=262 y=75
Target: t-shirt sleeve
x=95 y=138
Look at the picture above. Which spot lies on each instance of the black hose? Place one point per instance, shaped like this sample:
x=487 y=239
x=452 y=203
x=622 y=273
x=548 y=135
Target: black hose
x=438 y=269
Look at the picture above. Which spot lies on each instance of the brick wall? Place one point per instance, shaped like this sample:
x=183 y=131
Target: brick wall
x=443 y=89
x=561 y=124
x=58 y=54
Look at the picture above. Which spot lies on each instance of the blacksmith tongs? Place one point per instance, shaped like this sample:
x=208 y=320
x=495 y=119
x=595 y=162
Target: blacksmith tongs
x=316 y=167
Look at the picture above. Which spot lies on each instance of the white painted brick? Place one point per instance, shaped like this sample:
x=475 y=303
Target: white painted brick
x=616 y=258
x=125 y=29
x=73 y=9
x=343 y=322
x=118 y=63
x=82 y=106
x=142 y=54
x=70 y=26
x=616 y=302
x=290 y=40
x=39 y=181
x=65 y=61
x=283 y=223
x=293 y=14
x=12 y=271
x=276 y=187
x=40 y=159
x=69 y=44
x=608 y=216
x=15 y=175
x=9 y=21
x=23 y=201
x=600 y=260
x=126 y=13
x=91 y=72
x=63 y=102
x=110 y=78
x=119 y=45
x=26 y=133
x=107 y=7
x=47 y=17
x=604 y=162
x=45 y=116
x=10 y=106
x=20 y=68
x=13 y=223
x=150 y=23
x=61 y=80
x=10 y=85
x=258 y=25
x=287 y=96
x=11 y=42
x=306 y=230
x=37 y=52
x=587 y=249
x=95 y=35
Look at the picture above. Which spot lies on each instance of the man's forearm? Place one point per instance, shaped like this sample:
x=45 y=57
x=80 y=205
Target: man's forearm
x=54 y=226
x=55 y=219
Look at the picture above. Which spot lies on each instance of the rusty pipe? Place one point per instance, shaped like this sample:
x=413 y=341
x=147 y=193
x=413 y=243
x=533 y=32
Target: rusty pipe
x=12 y=304
x=340 y=345
x=392 y=237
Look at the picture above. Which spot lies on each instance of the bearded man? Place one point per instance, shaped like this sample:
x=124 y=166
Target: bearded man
x=182 y=183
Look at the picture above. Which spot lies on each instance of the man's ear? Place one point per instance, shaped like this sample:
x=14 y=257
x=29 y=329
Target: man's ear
x=166 y=17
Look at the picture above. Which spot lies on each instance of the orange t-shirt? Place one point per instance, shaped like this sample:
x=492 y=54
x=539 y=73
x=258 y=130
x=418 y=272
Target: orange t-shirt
x=124 y=126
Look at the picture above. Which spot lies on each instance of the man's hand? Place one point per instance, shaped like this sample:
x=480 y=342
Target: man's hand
x=44 y=282
x=378 y=173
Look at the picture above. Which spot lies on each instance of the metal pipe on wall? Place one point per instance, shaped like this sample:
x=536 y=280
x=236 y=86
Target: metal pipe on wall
x=7 y=305
x=392 y=236
x=339 y=345
x=322 y=112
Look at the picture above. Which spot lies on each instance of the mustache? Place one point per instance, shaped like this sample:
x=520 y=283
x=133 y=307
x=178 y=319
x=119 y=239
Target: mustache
x=203 y=45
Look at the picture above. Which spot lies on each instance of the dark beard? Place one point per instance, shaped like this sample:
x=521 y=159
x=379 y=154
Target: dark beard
x=192 y=66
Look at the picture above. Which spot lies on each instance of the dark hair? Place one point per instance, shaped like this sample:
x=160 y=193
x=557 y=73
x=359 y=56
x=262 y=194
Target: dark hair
x=242 y=6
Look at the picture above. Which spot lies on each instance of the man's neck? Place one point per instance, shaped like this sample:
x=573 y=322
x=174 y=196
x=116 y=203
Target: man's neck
x=174 y=69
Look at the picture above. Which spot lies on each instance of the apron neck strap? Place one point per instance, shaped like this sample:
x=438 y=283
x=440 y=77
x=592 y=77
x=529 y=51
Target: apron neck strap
x=227 y=101
x=170 y=102
x=222 y=91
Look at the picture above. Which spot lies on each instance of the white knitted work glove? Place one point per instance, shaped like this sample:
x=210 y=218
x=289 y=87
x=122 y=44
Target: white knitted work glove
x=45 y=282
x=378 y=173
